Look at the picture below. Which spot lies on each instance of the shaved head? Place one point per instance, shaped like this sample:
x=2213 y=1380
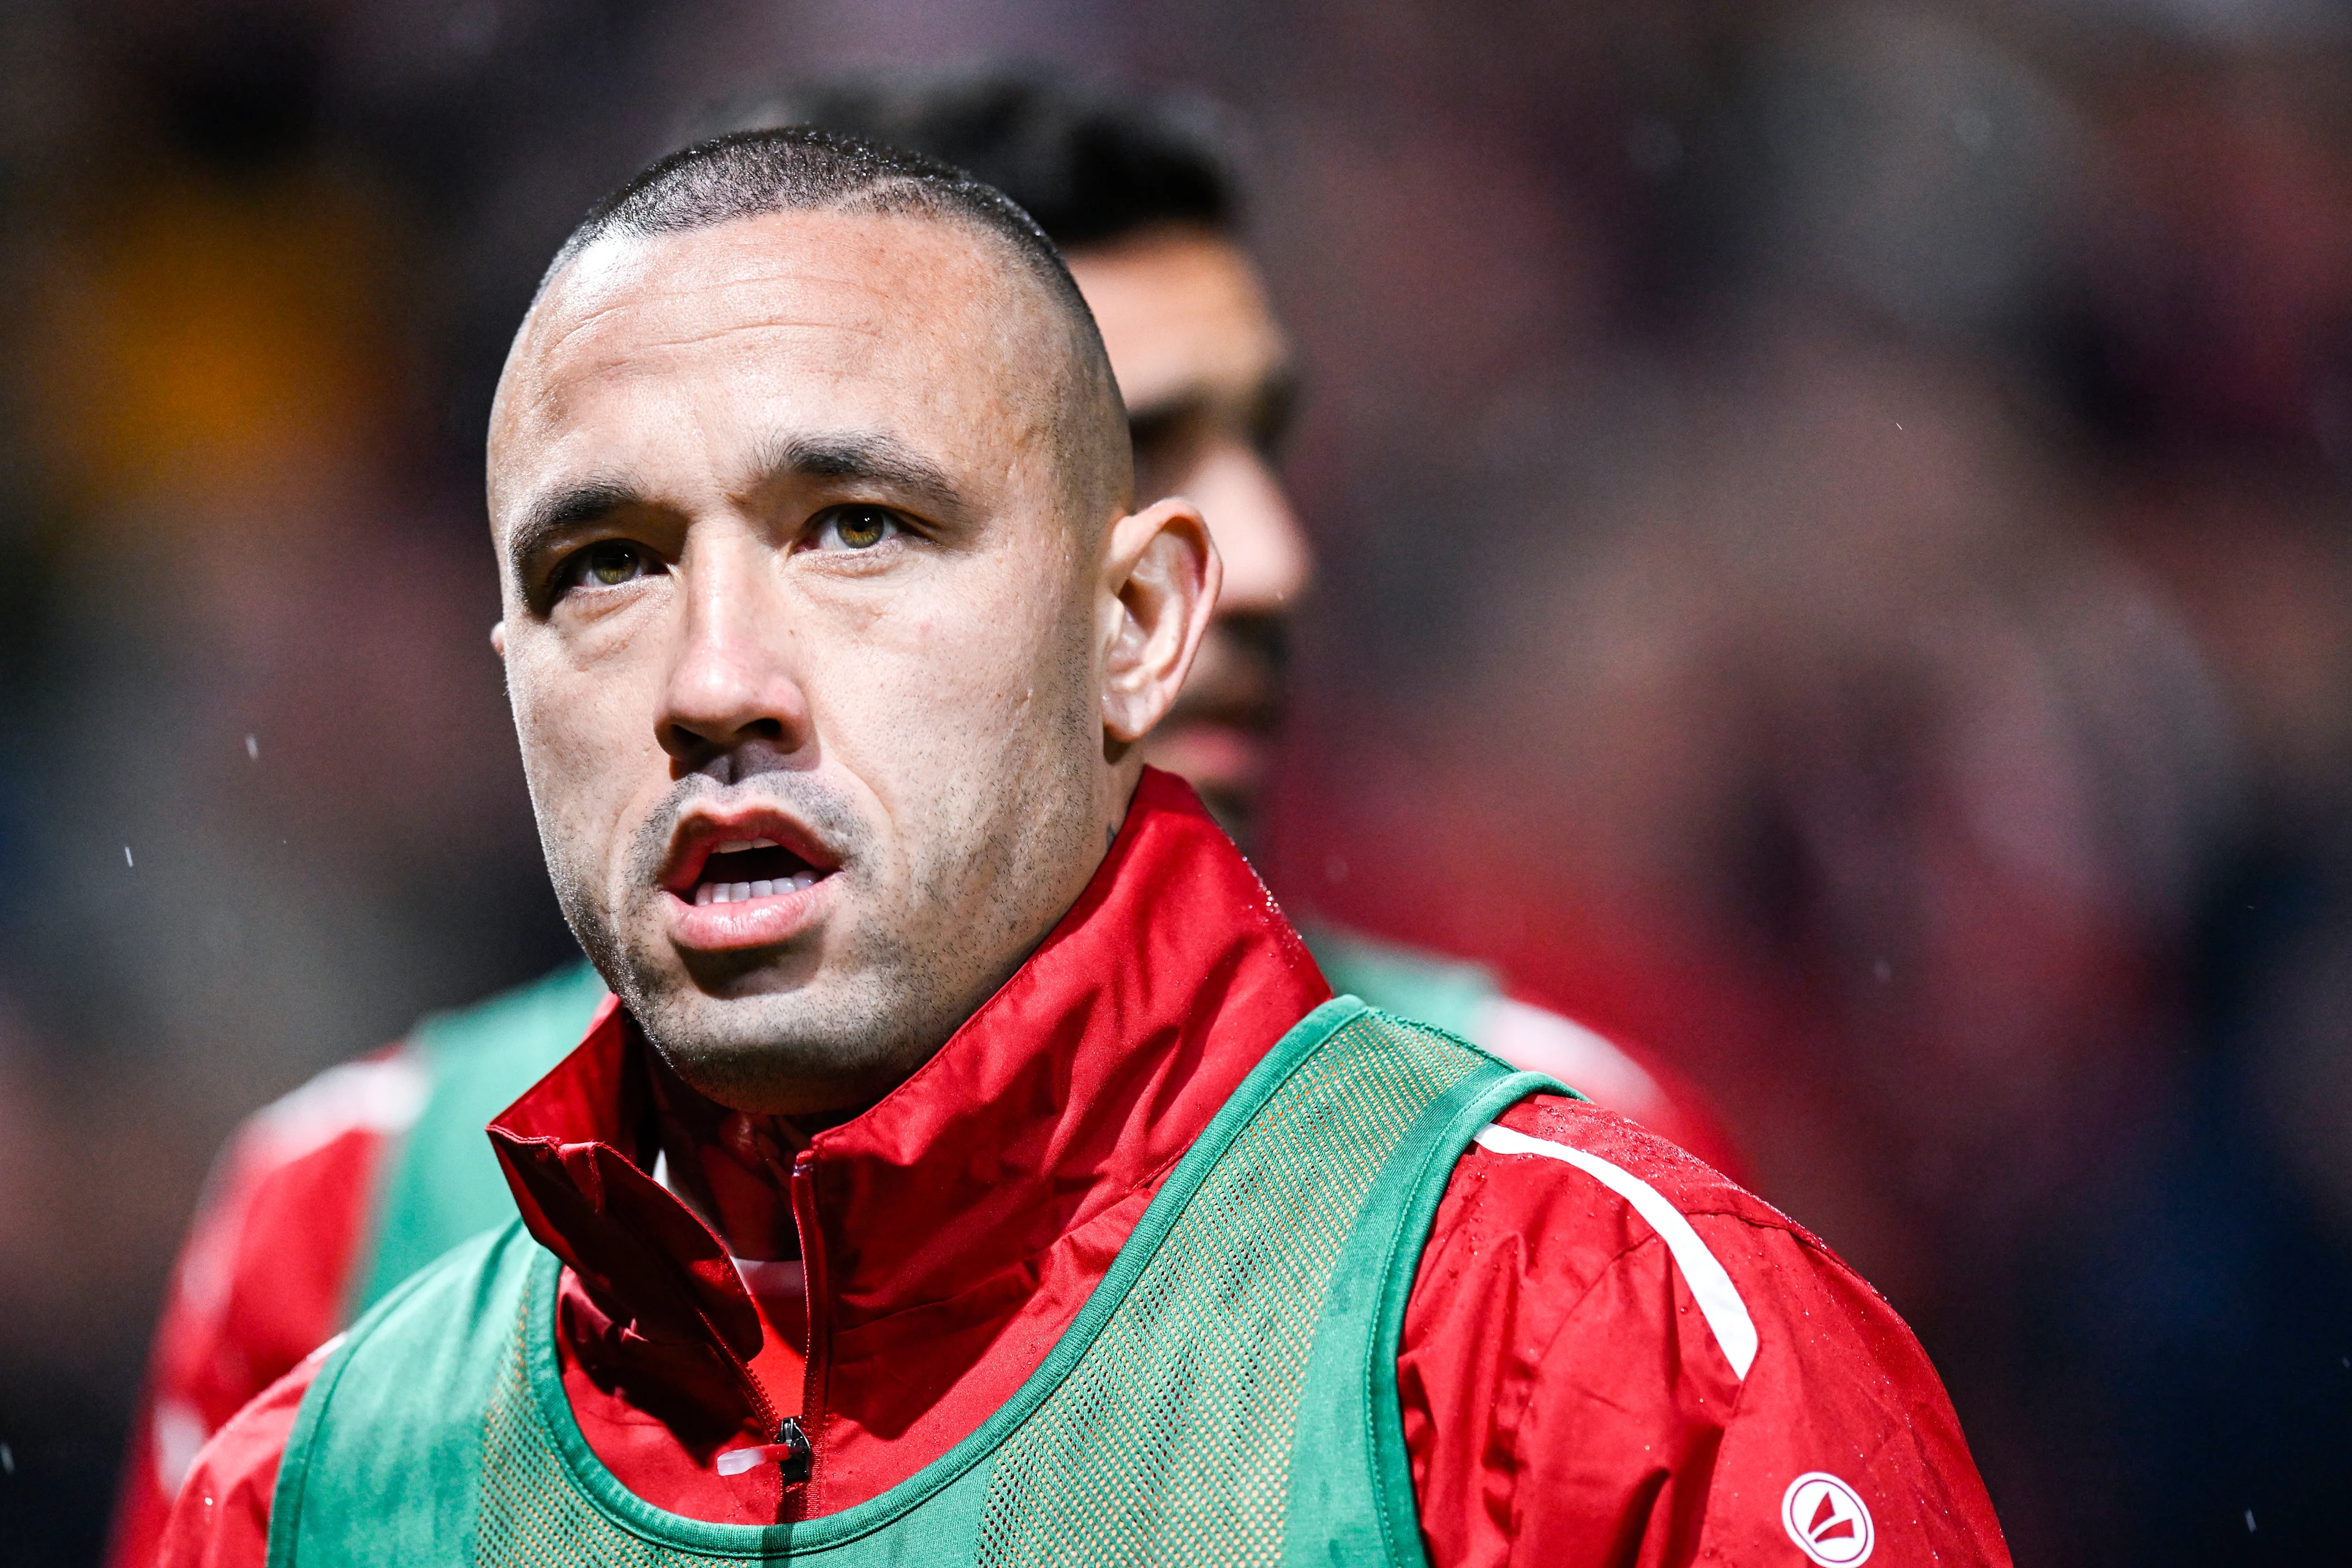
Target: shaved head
x=755 y=174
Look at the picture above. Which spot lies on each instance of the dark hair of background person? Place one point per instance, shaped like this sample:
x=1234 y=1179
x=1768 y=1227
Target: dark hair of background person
x=1089 y=165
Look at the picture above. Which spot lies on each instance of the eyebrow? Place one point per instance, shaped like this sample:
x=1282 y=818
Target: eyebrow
x=1272 y=401
x=567 y=508
x=871 y=456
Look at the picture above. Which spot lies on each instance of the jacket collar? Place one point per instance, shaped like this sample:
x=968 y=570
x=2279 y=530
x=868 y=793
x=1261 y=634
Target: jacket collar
x=1082 y=1080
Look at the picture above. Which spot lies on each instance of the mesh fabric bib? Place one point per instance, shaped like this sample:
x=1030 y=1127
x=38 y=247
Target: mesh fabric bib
x=1226 y=1395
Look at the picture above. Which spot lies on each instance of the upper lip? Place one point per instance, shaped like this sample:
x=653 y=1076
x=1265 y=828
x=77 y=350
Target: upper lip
x=701 y=830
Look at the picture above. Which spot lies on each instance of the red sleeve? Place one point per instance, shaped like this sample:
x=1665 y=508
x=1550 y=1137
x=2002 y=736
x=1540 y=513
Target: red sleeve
x=1584 y=1387
x=221 y=1519
x=265 y=1277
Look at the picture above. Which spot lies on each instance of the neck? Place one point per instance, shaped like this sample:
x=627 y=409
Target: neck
x=733 y=1168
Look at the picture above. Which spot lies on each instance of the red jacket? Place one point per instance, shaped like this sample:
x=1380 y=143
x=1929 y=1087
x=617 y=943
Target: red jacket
x=1611 y=1355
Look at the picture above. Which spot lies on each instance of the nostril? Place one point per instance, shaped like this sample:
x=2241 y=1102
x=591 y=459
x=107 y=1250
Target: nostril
x=695 y=746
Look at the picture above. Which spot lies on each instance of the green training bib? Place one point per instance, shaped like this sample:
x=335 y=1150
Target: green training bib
x=1227 y=1394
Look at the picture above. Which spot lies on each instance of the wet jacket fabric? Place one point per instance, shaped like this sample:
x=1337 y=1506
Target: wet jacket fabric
x=1611 y=1355
x=336 y=1193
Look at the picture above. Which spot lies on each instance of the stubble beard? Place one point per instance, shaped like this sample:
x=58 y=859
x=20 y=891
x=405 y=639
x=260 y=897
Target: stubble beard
x=901 y=970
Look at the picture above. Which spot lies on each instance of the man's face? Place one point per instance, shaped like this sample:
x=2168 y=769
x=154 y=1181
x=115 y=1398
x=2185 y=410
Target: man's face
x=1206 y=374
x=805 y=646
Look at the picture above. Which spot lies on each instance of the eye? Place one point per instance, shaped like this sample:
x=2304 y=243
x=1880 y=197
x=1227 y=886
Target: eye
x=857 y=526
x=608 y=563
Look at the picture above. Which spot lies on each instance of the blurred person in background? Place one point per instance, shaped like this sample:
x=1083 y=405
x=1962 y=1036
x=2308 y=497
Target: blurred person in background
x=337 y=1193
x=1948 y=659
x=2204 y=1313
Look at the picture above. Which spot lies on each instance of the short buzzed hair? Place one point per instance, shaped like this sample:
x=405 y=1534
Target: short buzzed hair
x=753 y=173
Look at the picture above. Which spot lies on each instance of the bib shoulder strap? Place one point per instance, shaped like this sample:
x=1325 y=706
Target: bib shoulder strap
x=382 y=1465
x=1350 y=1482
x=1231 y=1406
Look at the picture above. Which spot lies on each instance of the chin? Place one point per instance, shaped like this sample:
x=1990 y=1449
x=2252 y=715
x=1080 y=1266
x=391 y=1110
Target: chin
x=789 y=1053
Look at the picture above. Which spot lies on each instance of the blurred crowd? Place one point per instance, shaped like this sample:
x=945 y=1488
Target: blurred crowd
x=1836 y=524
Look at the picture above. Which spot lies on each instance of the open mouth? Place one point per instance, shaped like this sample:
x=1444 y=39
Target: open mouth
x=741 y=870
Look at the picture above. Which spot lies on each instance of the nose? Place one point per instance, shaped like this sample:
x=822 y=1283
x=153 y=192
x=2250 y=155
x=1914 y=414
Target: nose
x=731 y=688
x=1266 y=560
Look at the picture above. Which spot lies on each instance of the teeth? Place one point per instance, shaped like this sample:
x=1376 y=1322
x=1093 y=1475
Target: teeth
x=707 y=893
x=736 y=845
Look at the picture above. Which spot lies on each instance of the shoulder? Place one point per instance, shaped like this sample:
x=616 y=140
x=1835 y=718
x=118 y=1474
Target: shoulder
x=1557 y=1194
x=266 y=1259
x=1654 y=1349
x=221 y=1519
x=282 y=1216
x=1575 y=1190
x=223 y=1515
x=379 y=1094
x=534 y=1022
x=1468 y=1000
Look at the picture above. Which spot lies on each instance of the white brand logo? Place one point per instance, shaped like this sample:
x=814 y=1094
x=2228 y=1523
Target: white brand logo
x=1826 y=1520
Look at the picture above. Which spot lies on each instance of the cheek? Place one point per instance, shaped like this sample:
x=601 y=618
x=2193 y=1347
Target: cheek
x=586 y=746
x=928 y=705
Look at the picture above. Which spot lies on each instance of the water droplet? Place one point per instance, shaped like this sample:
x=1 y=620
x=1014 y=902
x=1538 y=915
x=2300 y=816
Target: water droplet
x=126 y=859
x=253 y=747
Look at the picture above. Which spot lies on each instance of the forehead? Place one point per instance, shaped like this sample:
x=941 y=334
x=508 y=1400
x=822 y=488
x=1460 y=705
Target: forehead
x=800 y=314
x=1181 y=311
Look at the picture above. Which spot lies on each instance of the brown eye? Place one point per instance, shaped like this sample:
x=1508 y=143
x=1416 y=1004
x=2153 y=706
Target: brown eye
x=857 y=527
x=613 y=564
x=609 y=563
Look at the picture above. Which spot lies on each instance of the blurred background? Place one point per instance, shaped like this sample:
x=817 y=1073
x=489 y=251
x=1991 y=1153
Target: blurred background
x=1836 y=525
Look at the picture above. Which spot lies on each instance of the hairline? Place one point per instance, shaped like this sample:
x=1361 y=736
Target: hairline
x=1041 y=265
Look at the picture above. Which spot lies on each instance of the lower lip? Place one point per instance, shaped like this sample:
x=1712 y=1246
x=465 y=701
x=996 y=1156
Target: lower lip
x=752 y=923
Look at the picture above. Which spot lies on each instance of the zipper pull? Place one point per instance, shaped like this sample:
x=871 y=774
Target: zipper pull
x=792 y=1449
x=798 y=1454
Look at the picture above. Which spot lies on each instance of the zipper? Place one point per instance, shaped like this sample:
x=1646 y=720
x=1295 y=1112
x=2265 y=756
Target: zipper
x=761 y=1405
x=799 y=1455
x=817 y=1298
x=791 y=1449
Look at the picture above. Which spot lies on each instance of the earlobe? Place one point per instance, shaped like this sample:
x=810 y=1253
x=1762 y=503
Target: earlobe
x=1160 y=580
x=499 y=638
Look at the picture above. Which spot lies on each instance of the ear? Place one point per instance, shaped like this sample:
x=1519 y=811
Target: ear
x=1160 y=577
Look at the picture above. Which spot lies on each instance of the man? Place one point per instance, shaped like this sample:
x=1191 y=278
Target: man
x=973 y=1166
x=335 y=1193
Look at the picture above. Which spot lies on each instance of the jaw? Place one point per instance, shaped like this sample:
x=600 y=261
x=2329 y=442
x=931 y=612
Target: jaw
x=757 y=1042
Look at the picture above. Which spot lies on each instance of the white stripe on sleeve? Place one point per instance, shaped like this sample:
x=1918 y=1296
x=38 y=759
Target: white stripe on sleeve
x=1718 y=1298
